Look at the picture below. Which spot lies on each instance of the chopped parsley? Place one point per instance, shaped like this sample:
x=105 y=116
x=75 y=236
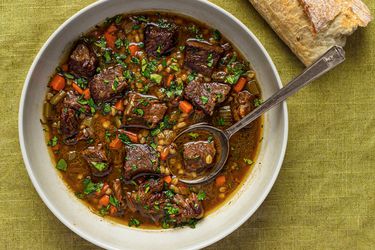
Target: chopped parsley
x=191 y=76
x=90 y=187
x=107 y=56
x=138 y=111
x=217 y=35
x=210 y=139
x=113 y=201
x=99 y=165
x=53 y=141
x=204 y=99
x=119 y=43
x=62 y=165
x=257 y=102
x=134 y=222
x=169 y=194
x=248 y=161
x=174 y=67
x=125 y=139
x=69 y=76
x=156 y=78
x=115 y=84
x=107 y=136
x=193 y=135
x=106 y=108
x=221 y=121
x=210 y=60
x=201 y=195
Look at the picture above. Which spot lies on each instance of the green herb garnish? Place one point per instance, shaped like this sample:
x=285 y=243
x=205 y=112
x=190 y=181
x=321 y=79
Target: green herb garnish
x=62 y=165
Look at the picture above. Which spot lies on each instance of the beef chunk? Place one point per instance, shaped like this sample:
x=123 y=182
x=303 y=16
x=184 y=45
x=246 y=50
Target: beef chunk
x=148 y=199
x=206 y=95
x=69 y=124
x=160 y=40
x=152 y=202
x=198 y=155
x=143 y=111
x=140 y=158
x=202 y=57
x=107 y=85
x=97 y=159
x=71 y=101
x=83 y=61
x=242 y=104
x=188 y=208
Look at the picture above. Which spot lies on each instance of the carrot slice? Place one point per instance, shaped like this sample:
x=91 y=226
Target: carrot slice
x=185 y=107
x=65 y=67
x=115 y=143
x=168 y=179
x=164 y=154
x=133 y=49
x=112 y=210
x=120 y=105
x=110 y=38
x=77 y=88
x=169 y=80
x=57 y=83
x=240 y=84
x=132 y=136
x=86 y=94
x=104 y=201
x=220 y=180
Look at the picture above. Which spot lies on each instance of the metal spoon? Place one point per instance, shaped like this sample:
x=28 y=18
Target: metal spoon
x=332 y=58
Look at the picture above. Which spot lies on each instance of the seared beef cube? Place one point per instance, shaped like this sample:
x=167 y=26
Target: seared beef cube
x=148 y=199
x=69 y=123
x=97 y=159
x=143 y=111
x=202 y=57
x=71 y=101
x=140 y=158
x=188 y=208
x=206 y=95
x=83 y=61
x=160 y=40
x=107 y=85
x=242 y=104
x=198 y=155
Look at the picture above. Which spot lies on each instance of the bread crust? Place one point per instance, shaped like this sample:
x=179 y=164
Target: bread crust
x=311 y=27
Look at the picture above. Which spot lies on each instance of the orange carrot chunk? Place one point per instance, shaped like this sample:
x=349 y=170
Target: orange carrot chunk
x=110 y=38
x=116 y=143
x=65 y=67
x=57 y=83
x=86 y=94
x=112 y=210
x=220 y=180
x=185 y=107
x=169 y=80
x=164 y=154
x=132 y=136
x=120 y=105
x=168 y=179
x=240 y=85
x=133 y=49
x=104 y=201
x=77 y=88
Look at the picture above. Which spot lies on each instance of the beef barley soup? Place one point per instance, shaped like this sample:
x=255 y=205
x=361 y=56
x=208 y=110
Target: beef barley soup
x=115 y=105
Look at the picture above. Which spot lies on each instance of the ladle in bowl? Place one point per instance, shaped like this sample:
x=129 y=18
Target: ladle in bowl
x=332 y=58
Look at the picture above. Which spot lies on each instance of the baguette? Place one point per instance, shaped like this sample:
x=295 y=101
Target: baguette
x=311 y=27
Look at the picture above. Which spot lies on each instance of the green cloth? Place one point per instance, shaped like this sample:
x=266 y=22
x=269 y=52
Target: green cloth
x=324 y=195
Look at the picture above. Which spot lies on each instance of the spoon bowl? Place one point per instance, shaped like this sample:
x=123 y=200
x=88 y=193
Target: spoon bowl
x=332 y=58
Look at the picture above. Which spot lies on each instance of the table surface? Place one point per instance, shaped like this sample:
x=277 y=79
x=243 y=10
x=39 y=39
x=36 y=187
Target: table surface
x=324 y=195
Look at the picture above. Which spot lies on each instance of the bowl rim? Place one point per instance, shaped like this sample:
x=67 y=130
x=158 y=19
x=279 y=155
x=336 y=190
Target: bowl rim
x=70 y=225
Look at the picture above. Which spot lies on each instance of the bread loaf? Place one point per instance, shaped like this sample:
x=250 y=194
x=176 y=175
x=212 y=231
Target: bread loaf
x=311 y=27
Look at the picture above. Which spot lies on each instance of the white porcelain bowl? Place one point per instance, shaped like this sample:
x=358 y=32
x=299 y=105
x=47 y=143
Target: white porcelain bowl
x=107 y=234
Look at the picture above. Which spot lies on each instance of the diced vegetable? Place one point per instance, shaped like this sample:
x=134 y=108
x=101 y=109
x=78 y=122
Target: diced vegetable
x=240 y=84
x=164 y=154
x=132 y=136
x=86 y=94
x=62 y=165
x=58 y=97
x=156 y=78
x=65 y=67
x=104 y=201
x=220 y=180
x=169 y=80
x=48 y=112
x=185 y=107
x=168 y=179
x=77 y=88
x=115 y=143
x=120 y=105
x=100 y=165
x=133 y=49
x=57 y=83
x=110 y=38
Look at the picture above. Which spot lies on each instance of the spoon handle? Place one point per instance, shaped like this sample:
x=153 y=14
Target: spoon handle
x=332 y=58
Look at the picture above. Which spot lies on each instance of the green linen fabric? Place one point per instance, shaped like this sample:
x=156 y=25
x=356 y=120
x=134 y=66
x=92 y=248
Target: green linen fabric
x=324 y=195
